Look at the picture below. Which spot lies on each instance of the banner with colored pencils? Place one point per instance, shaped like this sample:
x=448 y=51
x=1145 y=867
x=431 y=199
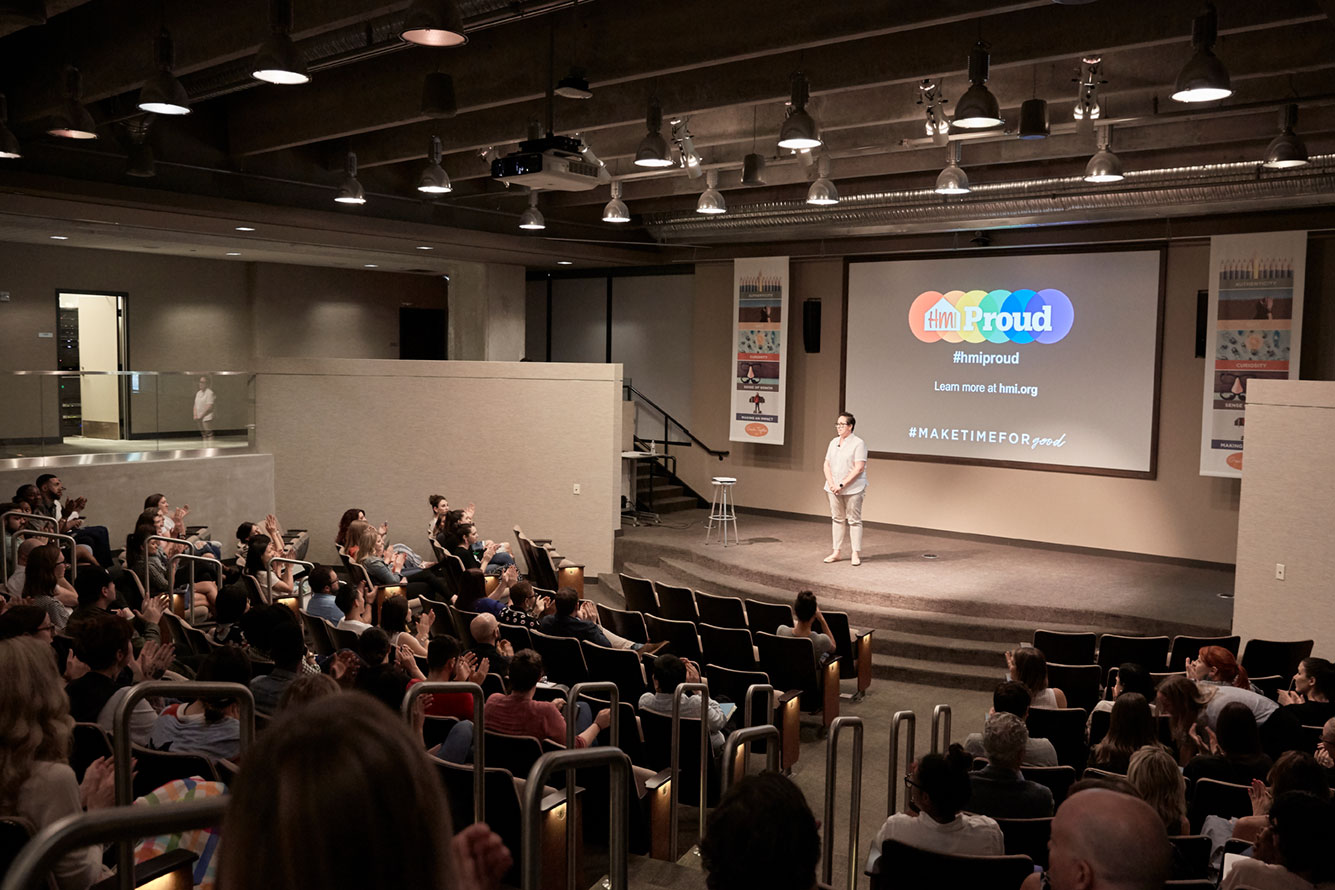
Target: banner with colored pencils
x=759 y=350
x=1253 y=331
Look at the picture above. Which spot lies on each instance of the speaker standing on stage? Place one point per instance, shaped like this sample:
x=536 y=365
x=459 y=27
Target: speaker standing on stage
x=846 y=482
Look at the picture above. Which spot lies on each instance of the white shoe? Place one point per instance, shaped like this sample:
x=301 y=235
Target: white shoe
x=857 y=560
x=833 y=557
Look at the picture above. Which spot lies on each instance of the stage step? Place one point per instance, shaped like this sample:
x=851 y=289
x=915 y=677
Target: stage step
x=933 y=672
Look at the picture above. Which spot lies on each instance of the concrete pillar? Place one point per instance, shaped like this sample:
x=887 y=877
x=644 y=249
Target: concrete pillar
x=486 y=312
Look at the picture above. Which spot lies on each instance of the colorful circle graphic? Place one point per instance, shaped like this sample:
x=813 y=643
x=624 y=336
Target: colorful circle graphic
x=998 y=316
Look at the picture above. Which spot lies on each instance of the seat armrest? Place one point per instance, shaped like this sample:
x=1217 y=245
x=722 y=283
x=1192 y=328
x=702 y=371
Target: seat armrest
x=159 y=867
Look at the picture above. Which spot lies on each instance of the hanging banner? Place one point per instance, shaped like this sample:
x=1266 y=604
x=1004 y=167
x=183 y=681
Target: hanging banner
x=759 y=361
x=1253 y=331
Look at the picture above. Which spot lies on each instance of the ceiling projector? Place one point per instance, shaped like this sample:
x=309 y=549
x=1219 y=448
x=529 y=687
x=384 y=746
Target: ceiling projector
x=551 y=164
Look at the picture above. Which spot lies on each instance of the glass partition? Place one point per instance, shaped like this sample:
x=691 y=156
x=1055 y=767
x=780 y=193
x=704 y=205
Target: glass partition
x=59 y=413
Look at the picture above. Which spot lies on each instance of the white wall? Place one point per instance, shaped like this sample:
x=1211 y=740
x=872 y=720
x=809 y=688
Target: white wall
x=99 y=396
x=1285 y=516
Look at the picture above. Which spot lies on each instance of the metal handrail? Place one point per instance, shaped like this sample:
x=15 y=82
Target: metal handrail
x=430 y=687
x=148 y=579
x=896 y=723
x=37 y=533
x=854 y=803
x=4 y=551
x=187 y=608
x=618 y=805
x=614 y=727
x=121 y=744
x=286 y=561
x=769 y=704
x=677 y=698
x=123 y=825
x=668 y=417
x=940 y=717
x=741 y=739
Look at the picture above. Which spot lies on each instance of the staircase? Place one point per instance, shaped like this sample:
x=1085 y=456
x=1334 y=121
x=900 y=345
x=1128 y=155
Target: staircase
x=658 y=491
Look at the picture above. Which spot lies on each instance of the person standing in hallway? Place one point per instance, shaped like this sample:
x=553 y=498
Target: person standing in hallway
x=846 y=483
x=204 y=401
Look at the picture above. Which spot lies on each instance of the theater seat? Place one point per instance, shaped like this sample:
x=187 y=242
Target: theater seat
x=902 y=866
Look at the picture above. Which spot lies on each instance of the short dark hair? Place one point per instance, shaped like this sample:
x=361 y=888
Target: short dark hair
x=804 y=607
x=525 y=670
x=1237 y=732
x=346 y=598
x=440 y=650
x=669 y=672
x=852 y=421
x=320 y=577
x=394 y=614
x=90 y=584
x=944 y=778
x=230 y=604
x=43 y=479
x=761 y=834
x=1303 y=826
x=1298 y=771
x=151 y=502
x=373 y=645
x=98 y=639
x=1011 y=697
x=567 y=600
x=244 y=530
x=287 y=647
x=21 y=620
x=520 y=593
x=1134 y=678
x=226 y=664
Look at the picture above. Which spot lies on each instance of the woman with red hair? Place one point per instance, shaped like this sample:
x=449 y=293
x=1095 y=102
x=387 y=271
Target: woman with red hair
x=1215 y=664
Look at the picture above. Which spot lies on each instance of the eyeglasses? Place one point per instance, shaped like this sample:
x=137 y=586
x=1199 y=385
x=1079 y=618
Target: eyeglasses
x=840 y=423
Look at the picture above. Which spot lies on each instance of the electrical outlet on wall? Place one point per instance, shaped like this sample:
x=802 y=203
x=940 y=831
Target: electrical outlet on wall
x=1279 y=571
x=576 y=488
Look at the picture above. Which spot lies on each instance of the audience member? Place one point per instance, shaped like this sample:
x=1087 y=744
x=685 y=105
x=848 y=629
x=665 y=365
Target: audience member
x=806 y=616
x=571 y=619
x=371 y=555
x=519 y=714
x=288 y=649
x=1105 y=840
x=261 y=551
x=1294 y=851
x=94 y=537
x=1000 y=790
x=1325 y=748
x=1231 y=752
x=18 y=574
x=351 y=601
x=159 y=580
x=209 y=727
x=669 y=672
x=243 y=533
x=1215 y=664
x=1010 y=697
x=10 y=527
x=387 y=669
x=446 y=662
x=46 y=564
x=1131 y=677
x=1130 y=728
x=525 y=608
x=1028 y=665
x=761 y=834
x=487 y=644
x=26 y=621
x=36 y=781
x=1158 y=781
x=1314 y=684
x=462 y=541
x=938 y=791
x=103 y=643
x=345 y=538
x=97 y=594
x=1294 y=771
x=324 y=586
x=338 y=764
x=472 y=596
x=1187 y=703
x=395 y=617
x=229 y=609
x=307 y=688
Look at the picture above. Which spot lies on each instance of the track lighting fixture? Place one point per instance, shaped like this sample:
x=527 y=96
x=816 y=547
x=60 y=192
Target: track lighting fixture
x=953 y=180
x=1104 y=166
x=73 y=120
x=653 y=149
x=139 y=161
x=1087 y=106
x=438 y=96
x=434 y=180
x=351 y=191
x=278 y=60
x=574 y=85
x=616 y=210
x=711 y=199
x=434 y=23
x=163 y=93
x=1287 y=149
x=753 y=169
x=685 y=142
x=938 y=125
x=9 y=144
x=822 y=191
x=531 y=218
x=799 y=130
x=1034 y=119
x=978 y=108
x=1204 y=78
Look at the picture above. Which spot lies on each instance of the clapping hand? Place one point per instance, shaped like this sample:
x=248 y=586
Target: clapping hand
x=481 y=857
x=345 y=667
x=692 y=671
x=153 y=609
x=98 y=789
x=74 y=668
x=1260 y=796
x=152 y=661
x=1287 y=697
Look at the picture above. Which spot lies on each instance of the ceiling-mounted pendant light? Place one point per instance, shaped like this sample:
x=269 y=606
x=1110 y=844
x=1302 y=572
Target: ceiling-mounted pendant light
x=653 y=148
x=532 y=219
x=799 y=130
x=22 y=13
x=438 y=96
x=1287 y=149
x=711 y=199
x=685 y=142
x=1034 y=119
x=434 y=180
x=9 y=143
x=73 y=121
x=278 y=60
x=934 y=104
x=616 y=210
x=1104 y=166
x=953 y=180
x=1204 y=78
x=574 y=85
x=163 y=93
x=753 y=169
x=822 y=191
x=978 y=108
x=434 y=23
x=139 y=161
x=351 y=192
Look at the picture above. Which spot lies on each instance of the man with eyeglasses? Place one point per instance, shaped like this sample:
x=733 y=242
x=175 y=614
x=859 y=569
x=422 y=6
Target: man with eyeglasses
x=1325 y=749
x=845 y=483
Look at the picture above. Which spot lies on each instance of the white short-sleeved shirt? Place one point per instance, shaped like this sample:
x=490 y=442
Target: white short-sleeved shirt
x=841 y=455
x=966 y=834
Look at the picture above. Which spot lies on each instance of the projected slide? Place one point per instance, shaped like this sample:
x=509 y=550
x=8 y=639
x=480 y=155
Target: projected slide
x=1043 y=359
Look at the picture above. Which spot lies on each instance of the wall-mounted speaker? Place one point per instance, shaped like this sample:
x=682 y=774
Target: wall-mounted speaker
x=811 y=325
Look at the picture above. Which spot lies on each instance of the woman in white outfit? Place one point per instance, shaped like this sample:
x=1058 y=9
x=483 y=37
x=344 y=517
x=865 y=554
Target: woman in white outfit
x=845 y=483
x=204 y=410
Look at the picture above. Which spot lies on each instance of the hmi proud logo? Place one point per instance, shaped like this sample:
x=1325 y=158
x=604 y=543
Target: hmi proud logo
x=999 y=316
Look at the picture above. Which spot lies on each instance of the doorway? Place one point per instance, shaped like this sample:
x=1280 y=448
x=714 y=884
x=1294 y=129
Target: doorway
x=91 y=329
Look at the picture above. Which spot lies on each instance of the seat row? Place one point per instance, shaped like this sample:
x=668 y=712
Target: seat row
x=1260 y=658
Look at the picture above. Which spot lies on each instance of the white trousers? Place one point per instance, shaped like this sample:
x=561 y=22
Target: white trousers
x=846 y=510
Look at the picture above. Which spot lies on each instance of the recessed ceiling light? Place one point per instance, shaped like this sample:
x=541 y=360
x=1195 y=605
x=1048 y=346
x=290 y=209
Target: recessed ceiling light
x=565 y=262
x=424 y=247
x=234 y=253
x=370 y=266
x=60 y=237
x=245 y=228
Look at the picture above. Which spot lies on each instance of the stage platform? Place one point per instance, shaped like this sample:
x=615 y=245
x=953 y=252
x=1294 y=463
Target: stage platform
x=945 y=608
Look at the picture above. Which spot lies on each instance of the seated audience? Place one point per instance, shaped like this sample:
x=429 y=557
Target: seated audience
x=446 y=662
x=307 y=688
x=488 y=645
x=159 y=580
x=472 y=596
x=1232 y=751
x=1130 y=678
x=1010 y=697
x=999 y=789
x=395 y=616
x=209 y=727
x=97 y=593
x=46 y=565
x=806 y=616
x=761 y=834
x=229 y=610
x=1294 y=771
x=36 y=781
x=1158 y=781
x=1105 y=840
x=387 y=670
x=18 y=566
x=518 y=713
x=347 y=537
x=10 y=527
x=1294 y=851
x=1028 y=666
x=490 y=557
x=1313 y=685
x=525 y=609
x=337 y=763
x=371 y=555
x=574 y=619
x=1325 y=748
x=103 y=643
x=243 y=533
x=324 y=586
x=287 y=648
x=26 y=621
x=938 y=791
x=94 y=537
x=669 y=672
x=261 y=551
x=1215 y=664
x=351 y=601
x=1187 y=703
x=1130 y=728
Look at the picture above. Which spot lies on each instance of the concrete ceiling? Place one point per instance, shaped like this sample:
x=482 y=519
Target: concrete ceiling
x=263 y=149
